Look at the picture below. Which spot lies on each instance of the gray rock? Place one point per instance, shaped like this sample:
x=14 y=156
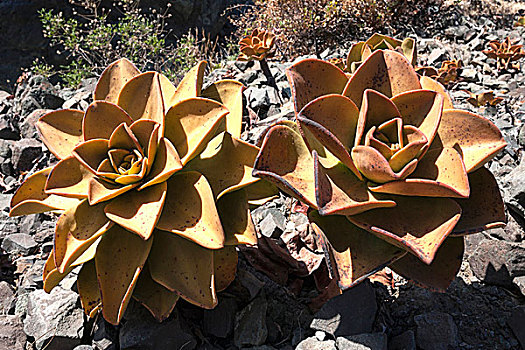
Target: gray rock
x=257 y=97
x=219 y=321
x=436 y=331
x=11 y=332
x=350 y=313
x=27 y=126
x=7 y=297
x=436 y=55
x=7 y=129
x=368 y=341
x=54 y=319
x=18 y=243
x=84 y=347
x=102 y=340
x=520 y=283
x=403 y=341
x=250 y=324
x=514 y=194
x=517 y=324
x=498 y=262
x=273 y=223
x=25 y=153
x=313 y=343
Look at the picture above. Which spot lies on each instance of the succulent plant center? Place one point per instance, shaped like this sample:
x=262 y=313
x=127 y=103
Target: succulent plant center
x=130 y=163
x=388 y=138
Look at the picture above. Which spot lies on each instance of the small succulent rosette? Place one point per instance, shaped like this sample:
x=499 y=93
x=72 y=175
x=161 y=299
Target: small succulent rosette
x=153 y=185
x=393 y=174
x=506 y=53
x=257 y=46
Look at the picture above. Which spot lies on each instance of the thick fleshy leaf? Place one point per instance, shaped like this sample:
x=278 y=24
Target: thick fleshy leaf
x=441 y=173
x=234 y=213
x=260 y=192
x=440 y=272
x=430 y=84
x=376 y=109
x=119 y=261
x=143 y=130
x=227 y=164
x=339 y=191
x=352 y=253
x=190 y=124
x=50 y=275
x=436 y=217
x=30 y=198
x=415 y=148
x=190 y=211
x=123 y=138
x=168 y=90
x=311 y=78
x=183 y=267
x=285 y=161
x=165 y=164
x=138 y=211
x=374 y=166
x=91 y=153
x=422 y=109
x=159 y=300
x=354 y=55
x=229 y=93
x=101 y=119
x=141 y=97
x=88 y=290
x=225 y=263
x=114 y=77
x=477 y=139
x=76 y=230
x=191 y=84
x=484 y=208
x=61 y=131
x=69 y=178
x=101 y=190
x=387 y=72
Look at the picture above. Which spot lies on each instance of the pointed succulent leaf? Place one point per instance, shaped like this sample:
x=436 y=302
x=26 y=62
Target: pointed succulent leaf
x=477 y=139
x=114 y=77
x=285 y=161
x=339 y=191
x=261 y=192
x=159 y=300
x=440 y=272
x=441 y=173
x=422 y=237
x=236 y=220
x=101 y=119
x=117 y=274
x=122 y=138
x=431 y=84
x=101 y=190
x=225 y=263
x=31 y=198
x=142 y=98
x=387 y=72
x=147 y=134
x=91 y=153
x=61 y=131
x=352 y=253
x=408 y=47
x=69 y=178
x=311 y=78
x=229 y=93
x=138 y=211
x=191 y=123
x=165 y=164
x=190 y=86
x=484 y=208
x=168 y=90
x=183 y=267
x=88 y=290
x=190 y=211
x=354 y=55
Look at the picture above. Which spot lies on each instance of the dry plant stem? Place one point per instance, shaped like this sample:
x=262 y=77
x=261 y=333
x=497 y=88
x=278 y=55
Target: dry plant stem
x=269 y=77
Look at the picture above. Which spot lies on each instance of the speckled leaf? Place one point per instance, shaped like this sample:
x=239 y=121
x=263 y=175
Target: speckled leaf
x=101 y=190
x=165 y=164
x=436 y=217
x=138 y=211
x=225 y=263
x=311 y=78
x=119 y=261
x=430 y=84
x=183 y=267
x=191 y=84
x=477 y=139
x=69 y=178
x=141 y=97
x=229 y=93
x=190 y=124
x=352 y=253
x=61 y=131
x=236 y=220
x=114 y=77
x=285 y=161
x=101 y=119
x=484 y=209
x=88 y=290
x=440 y=273
x=91 y=153
x=260 y=192
x=190 y=211
x=387 y=72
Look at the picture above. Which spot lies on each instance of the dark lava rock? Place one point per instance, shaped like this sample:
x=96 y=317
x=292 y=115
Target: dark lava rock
x=436 y=331
x=250 y=324
x=403 y=341
x=219 y=321
x=517 y=324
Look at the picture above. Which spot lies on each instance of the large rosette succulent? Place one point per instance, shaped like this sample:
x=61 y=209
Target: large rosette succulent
x=153 y=184
x=393 y=174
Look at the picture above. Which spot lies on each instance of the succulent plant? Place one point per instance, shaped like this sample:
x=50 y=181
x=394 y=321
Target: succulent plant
x=393 y=174
x=449 y=71
x=505 y=53
x=520 y=22
x=152 y=184
x=362 y=49
x=257 y=46
x=483 y=99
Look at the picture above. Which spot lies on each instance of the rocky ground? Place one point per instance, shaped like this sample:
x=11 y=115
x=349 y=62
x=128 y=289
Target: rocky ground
x=274 y=302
